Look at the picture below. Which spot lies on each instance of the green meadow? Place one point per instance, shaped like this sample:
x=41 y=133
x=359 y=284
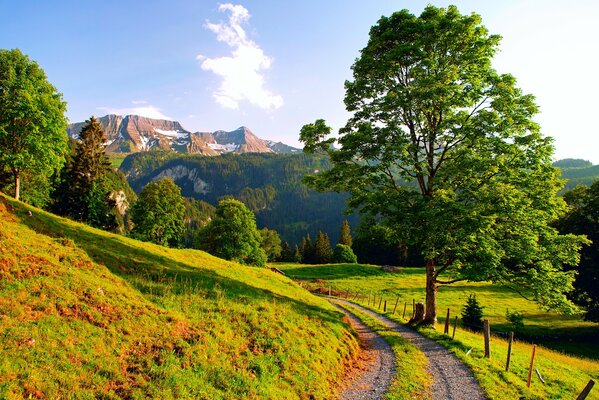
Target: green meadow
x=89 y=314
x=565 y=375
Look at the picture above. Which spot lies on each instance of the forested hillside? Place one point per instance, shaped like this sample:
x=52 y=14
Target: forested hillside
x=269 y=184
x=577 y=172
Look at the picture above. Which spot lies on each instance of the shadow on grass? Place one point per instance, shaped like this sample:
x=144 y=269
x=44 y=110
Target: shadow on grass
x=343 y=271
x=140 y=266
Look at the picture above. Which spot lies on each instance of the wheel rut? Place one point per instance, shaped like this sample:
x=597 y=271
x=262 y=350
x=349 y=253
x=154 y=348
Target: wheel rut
x=452 y=379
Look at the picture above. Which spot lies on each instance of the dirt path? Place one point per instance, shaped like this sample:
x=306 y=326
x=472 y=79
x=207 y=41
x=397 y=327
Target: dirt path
x=452 y=380
x=371 y=376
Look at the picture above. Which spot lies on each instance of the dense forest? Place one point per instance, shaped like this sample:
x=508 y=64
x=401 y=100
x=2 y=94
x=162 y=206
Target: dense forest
x=269 y=184
x=577 y=172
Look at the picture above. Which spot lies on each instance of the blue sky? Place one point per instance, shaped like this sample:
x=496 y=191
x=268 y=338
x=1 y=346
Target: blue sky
x=276 y=65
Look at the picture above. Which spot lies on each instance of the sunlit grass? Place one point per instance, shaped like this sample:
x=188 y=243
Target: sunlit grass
x=565 y=375
x=89 y=314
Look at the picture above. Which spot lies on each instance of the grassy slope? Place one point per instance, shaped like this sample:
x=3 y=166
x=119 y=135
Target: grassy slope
x=88 y=314
x=565 y=375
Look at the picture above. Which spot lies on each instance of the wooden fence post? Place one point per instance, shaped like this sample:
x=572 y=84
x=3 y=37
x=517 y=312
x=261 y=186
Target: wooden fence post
x=532 y=364
x=396 y=301
x=385 y=306
x=405 y=305
x=413 y=308
x=374 y=300
x=347 y=294
x=455 y=325
x=585 y=392
x=446 y=330
x=509 y=352
x=487 y=332
x=369 y=296
x=380 y=302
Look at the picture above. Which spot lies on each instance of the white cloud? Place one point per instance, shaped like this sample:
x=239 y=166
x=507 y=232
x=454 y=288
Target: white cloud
x=243 y=70
x=148 y=110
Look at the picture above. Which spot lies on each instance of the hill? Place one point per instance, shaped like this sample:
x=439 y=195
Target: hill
x=269 y=184
x=132 y=133
x=89 y=314
x=577 y=172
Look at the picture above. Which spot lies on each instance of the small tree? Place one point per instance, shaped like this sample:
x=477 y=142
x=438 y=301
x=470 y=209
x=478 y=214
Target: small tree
x=158 y=213
x=472 y=313
x=322 y=248
x=270 y=243
x=233 y=234
x=307 y=250
x=345 y=235
x=297 y=254
x=343 y=254
x=32 y=120
x=286 y=253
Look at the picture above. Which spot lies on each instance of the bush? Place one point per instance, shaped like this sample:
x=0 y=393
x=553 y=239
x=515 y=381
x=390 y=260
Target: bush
x=343 y=254
x=472 y=314
x=515 y=318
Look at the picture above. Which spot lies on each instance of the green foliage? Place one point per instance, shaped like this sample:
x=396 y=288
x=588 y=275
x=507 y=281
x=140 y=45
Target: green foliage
x=297 y=254
x=269 y=184
x=232 y=234
x=32 y=122
x=446 y=151
x=577 y=172
x=307 y=250
x=271 y=243
x=472 y=313
x=322 y=248
x=343 y=254
x=572 y=163
x=158 y=214
x=286 y=253
x=198 y=214
x=516 y=318
x=345 y=234
x=583 y=218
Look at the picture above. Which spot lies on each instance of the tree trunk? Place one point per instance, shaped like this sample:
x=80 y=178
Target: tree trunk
x=17 y=175
x=431 y=294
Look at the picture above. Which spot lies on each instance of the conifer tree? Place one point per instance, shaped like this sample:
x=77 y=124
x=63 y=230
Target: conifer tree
x=345 y=236
x=322 y=248
x=286 y=253
x=297 y=254
x=307 y=250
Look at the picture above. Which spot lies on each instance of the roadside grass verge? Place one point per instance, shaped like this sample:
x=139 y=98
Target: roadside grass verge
x=89 y=314
x=565 y=375
x=412 y=380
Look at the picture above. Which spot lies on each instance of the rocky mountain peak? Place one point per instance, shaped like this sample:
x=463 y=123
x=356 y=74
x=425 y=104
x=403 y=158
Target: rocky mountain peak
x=132 y=133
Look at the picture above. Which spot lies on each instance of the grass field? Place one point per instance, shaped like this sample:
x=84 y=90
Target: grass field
x=117 y=158
x=565 y=375
x=89 y=314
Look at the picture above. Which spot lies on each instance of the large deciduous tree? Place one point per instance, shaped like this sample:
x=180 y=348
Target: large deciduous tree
x=445 y=150
x=32 y=122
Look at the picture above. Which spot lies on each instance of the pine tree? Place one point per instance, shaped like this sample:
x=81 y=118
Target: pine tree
x=84 y=174
x=345 y=236
x=297 y=254
x=322 y=248
x=307 y=250
x=286 y=253
x=472 y=313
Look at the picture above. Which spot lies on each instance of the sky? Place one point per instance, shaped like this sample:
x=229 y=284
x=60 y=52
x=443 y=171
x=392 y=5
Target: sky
x=274 y=66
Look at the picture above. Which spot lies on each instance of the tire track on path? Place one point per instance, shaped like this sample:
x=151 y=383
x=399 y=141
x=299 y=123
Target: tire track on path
x=452 y=379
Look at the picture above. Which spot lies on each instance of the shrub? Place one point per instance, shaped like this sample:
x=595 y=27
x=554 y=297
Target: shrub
x=344 y=254
x=516 y=318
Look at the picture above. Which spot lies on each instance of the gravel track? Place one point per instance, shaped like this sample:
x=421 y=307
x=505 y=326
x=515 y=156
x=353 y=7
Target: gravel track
x=371 y=380
x=452 y=379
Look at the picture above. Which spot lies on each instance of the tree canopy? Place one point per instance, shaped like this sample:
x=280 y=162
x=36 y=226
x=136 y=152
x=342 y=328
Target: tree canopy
x=232 y=234
x=445 y=150
x=159 y=212
x=32 y=120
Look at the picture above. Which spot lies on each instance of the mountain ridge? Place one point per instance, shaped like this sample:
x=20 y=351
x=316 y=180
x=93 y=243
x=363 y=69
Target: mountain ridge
x=135 y=133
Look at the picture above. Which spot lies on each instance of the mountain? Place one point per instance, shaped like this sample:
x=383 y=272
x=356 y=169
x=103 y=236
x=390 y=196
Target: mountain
x=133 y=133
